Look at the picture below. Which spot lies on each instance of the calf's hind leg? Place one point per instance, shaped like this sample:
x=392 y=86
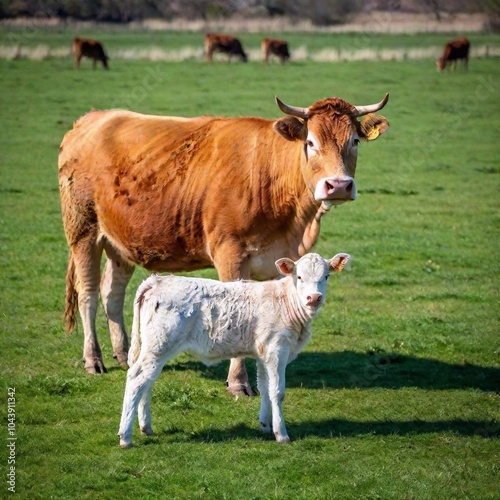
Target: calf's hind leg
x=140 y=379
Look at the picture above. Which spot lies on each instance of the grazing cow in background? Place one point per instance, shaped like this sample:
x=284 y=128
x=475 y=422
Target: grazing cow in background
x=275 y=47
x=226 y=44
x=269 y=321
x=453 y=51
x=86 y=47
x=177 y=194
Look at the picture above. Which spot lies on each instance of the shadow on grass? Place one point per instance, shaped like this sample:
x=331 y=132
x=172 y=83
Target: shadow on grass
x=335 y=428
x=345 y=370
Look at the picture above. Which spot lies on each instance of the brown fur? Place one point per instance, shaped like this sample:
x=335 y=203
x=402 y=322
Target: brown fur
x=225 y=44
x=273 y=46
x=86 y=47
x=455 y=50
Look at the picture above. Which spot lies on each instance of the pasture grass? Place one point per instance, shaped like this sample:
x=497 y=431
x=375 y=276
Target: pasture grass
x=396 y=396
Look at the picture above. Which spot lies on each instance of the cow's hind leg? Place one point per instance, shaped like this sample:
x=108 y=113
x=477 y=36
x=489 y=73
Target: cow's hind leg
x=87 y=256
x=115 y=278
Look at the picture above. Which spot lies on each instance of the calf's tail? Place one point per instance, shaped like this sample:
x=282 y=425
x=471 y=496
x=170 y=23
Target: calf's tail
x=135 y=345
x=71 y=299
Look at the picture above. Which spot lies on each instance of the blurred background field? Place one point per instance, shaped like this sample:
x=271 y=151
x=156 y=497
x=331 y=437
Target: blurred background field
x=396 y=396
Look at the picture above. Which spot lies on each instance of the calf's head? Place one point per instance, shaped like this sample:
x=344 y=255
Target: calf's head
x=310 y=275
x=330 y=133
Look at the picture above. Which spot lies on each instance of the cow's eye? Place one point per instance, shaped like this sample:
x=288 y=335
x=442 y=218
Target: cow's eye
x=299 y=277
x=310 y=144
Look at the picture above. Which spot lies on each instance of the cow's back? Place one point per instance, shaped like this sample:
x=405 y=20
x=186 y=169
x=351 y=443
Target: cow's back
x=159 y=188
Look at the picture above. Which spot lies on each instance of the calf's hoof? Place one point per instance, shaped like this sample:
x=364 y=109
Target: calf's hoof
x=125 y=444
x=283 y=439
x=266 y=428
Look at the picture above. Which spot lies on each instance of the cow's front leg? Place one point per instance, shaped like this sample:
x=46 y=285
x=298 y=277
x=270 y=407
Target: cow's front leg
x=231 y=266
x=237 y=378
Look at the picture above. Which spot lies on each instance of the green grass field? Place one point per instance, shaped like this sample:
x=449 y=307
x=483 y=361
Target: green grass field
x=397 y=394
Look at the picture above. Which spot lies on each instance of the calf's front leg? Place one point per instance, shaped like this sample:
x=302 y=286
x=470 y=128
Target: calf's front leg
x=275 y=367
x=265 y=402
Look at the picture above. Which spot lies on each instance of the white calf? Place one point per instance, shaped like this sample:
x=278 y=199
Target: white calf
x=269 y=321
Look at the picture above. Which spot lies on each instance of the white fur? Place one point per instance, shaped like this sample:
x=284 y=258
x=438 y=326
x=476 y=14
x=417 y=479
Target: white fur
x=269 y=321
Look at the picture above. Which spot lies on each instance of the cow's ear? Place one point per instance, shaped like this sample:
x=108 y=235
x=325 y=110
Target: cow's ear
x=372 y=126
x=285 y=266
x=292 y=129
x=338 y=262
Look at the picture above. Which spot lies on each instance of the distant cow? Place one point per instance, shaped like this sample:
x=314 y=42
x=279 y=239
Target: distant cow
x=86 y=47
x=453 y=51
x=269 y=321
x=226 y=44
x=275 y=47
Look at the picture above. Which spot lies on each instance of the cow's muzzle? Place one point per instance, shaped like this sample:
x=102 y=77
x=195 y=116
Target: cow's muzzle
x=335 y=190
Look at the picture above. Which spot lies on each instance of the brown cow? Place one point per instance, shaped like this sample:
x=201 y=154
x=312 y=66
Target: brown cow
x=180 y=194
x=86 y=47
x=276 y=47
x=226 y=44
x=453 y=51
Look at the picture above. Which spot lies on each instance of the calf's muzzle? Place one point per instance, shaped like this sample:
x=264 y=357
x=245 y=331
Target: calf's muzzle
x=314 y=299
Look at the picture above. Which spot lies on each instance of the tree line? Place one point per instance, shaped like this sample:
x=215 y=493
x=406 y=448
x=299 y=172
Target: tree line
x=320 y=12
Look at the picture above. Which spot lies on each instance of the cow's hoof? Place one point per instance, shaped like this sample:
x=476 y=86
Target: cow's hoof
x=95 y=367
x=122 y=358
x=125 y=444
x=147 y=431
x=238 y=390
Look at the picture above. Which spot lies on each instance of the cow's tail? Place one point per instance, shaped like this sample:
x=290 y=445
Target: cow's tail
x=71 y=299
x=135 y=343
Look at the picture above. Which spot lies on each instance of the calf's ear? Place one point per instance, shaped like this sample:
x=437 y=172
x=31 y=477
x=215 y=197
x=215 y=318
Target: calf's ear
x=338 y=262
x=292 y=129
x=371 y=126
x=285 y=266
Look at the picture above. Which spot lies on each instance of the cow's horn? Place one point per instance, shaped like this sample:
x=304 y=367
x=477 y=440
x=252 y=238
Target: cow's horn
x=292 y=110
x=364 y=110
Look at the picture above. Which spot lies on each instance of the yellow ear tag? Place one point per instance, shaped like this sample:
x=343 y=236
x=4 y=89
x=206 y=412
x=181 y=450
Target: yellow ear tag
x=373 y=134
